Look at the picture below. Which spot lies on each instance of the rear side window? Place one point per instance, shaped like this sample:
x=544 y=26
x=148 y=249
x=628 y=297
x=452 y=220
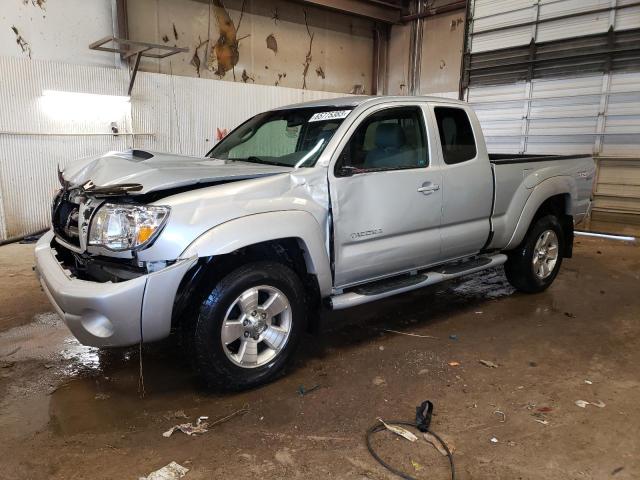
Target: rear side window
x=456 y=135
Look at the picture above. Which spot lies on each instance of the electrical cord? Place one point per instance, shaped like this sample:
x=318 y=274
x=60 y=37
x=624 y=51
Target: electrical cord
x=422 y=423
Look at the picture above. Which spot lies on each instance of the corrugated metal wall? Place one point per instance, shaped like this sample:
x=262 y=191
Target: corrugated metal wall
x=175 y=114
x=569 y=110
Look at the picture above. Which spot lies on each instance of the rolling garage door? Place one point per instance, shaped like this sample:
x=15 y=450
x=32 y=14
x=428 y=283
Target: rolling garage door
x=562 y=76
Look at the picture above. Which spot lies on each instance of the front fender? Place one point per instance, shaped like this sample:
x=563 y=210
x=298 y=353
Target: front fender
x=252 y=229
x=559 y=185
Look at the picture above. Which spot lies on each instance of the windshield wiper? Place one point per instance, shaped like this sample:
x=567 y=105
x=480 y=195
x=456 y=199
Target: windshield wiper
x=261 y=161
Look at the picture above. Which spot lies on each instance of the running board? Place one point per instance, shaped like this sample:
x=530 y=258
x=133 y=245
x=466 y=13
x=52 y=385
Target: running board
x=393 y=286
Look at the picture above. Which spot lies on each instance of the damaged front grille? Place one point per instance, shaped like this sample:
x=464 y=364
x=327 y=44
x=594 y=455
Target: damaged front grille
x=65 y=218
x=95 y=268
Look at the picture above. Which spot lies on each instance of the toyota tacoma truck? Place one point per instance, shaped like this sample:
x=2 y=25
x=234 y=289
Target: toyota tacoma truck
x=333 y=203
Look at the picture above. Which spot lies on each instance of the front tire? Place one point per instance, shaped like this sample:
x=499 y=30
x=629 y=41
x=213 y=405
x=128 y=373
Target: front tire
x=534 y=265
x=248 y=327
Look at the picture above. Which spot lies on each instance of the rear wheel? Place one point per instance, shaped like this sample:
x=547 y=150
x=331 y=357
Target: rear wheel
x=248 y=327
x=533 y=266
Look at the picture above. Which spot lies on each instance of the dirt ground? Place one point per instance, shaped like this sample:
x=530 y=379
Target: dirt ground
x=71 y=412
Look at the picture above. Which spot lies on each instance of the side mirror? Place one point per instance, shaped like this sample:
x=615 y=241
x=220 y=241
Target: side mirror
x=346 y=171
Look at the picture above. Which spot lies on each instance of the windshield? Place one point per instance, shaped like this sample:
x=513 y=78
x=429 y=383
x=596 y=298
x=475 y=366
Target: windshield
x=289 y=138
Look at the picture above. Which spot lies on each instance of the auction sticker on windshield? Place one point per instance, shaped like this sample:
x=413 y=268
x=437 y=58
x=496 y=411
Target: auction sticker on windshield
x=334 y=115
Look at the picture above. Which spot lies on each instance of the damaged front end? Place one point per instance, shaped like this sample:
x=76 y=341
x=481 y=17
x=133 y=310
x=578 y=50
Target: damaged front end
x=73 y=215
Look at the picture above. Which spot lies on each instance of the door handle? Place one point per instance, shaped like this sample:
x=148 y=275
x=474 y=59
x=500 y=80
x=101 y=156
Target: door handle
x=429 y=189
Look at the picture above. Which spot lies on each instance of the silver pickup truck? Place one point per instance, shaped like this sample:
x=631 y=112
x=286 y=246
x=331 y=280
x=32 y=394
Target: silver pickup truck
x=339 y=202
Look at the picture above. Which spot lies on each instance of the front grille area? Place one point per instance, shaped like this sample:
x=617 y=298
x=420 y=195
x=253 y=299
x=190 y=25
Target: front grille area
x=65 y=219
x=95 y=268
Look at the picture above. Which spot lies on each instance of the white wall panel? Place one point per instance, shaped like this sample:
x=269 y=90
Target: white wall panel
x=489 y=15
x=57 y=30
x=174 y=114
x=595 y=114
x=488 y=8
x=561 y=115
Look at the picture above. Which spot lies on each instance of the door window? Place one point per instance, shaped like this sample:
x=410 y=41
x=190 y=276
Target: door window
x=456 y=135
x=390 y=139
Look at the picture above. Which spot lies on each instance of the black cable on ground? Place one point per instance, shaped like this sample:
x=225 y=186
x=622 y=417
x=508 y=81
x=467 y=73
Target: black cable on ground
x=421 y=424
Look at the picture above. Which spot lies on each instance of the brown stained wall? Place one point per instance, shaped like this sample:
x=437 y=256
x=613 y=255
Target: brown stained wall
x=272 y=46
x=442 y=44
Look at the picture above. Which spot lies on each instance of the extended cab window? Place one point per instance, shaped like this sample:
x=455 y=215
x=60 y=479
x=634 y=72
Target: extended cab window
x=456 y=135
x=387 y=140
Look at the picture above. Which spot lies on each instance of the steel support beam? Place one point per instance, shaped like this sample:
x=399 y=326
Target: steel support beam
x=431 y=11
x=381 y=11
x=379 y=72
x=123 y=22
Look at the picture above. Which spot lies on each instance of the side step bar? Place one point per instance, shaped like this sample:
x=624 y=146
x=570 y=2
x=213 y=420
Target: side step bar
x=389 y=287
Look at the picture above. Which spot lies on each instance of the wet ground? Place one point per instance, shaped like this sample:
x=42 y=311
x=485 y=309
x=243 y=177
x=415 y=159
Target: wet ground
x=68 y=411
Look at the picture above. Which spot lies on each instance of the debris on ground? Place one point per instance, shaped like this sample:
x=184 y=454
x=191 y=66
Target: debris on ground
x=488 y=363
x=409 y=334
x=494 y=440
x=584 y=403
x=588 y=382
x=399 y=431
x=379 y=381
x=454 y=364
x=569 y=315
x=543 y=422
x=417 y=467
x=189 y=428
x=438 y=446
x=173 y=471
x=544 y=409
x=102 y=396
x=453 y=337
x=200 y=426
x=504 y=416
x=616 y=470
x=306 y=391
x=424 y=371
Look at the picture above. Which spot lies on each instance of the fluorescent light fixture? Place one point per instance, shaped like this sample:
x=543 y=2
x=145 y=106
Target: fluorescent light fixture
x=83 y=107
x=610 y=236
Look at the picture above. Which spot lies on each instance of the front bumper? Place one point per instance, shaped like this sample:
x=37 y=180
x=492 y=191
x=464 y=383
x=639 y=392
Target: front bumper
x=110 y=314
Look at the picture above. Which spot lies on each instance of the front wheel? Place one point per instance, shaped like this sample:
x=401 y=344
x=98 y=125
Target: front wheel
x=248 y=327
x=533 y=266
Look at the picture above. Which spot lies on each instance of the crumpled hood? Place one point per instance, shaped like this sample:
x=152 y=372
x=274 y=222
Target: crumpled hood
x=159 y=171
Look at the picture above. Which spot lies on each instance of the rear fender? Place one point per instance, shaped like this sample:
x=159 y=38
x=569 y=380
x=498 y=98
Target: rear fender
x=548 y=188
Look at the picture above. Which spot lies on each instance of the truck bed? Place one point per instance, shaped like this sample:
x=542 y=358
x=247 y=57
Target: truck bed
x=516 y=177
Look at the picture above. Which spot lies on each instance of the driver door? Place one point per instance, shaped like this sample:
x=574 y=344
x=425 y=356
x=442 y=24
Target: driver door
x=386 y=197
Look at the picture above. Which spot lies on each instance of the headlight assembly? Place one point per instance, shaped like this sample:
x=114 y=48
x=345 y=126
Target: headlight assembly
x=126 y=227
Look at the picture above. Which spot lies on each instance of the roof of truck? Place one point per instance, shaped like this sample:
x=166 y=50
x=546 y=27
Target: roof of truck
x=355 y=100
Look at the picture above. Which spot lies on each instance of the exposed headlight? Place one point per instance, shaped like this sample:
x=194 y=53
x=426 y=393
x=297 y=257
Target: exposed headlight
x=126 y=227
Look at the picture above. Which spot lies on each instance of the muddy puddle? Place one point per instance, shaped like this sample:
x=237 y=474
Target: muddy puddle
x=79 y=389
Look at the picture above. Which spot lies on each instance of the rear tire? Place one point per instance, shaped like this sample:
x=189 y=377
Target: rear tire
x=534 y=265
x=248 y=326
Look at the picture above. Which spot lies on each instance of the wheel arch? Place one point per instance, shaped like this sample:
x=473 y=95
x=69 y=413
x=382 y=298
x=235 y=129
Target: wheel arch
x=293 y=238
x=553 y=196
